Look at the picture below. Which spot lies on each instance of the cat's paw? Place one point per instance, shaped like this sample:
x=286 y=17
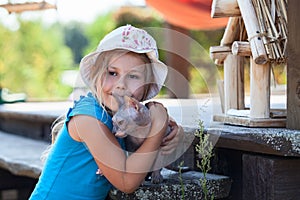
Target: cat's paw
x=156 y=177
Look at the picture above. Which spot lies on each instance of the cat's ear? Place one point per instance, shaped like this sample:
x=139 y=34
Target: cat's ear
x=132 y=102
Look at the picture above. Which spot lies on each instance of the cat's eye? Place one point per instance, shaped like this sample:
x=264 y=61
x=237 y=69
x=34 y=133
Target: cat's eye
x=120 y=122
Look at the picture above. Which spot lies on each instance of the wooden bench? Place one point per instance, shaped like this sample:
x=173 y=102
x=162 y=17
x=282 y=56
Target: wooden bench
x=20 y=165
x=32 y=119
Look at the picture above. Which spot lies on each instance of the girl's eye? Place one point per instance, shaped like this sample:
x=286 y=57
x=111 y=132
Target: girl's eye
x=112 y=73
x=133 y=76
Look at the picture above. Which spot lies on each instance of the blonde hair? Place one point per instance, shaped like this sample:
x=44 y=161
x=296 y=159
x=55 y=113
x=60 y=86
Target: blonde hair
x=55 y=129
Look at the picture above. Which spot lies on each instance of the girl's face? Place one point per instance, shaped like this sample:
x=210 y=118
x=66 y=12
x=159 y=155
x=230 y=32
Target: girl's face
x=125 y=75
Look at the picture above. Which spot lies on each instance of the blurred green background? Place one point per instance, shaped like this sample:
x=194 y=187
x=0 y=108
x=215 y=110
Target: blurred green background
x=34 y=57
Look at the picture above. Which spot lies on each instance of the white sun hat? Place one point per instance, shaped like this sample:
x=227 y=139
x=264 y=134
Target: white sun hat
x=132 y=39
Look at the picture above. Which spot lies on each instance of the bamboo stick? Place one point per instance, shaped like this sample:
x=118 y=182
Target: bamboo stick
x=273 y=26
x=283 y=5
x=270 y=20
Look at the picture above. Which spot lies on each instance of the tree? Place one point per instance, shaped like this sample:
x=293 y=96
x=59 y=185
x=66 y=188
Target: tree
x=75 y=39
x=97 y=30
x=32 y=59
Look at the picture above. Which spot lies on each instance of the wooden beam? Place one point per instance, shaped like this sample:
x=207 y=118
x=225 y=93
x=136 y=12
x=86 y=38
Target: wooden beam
x=241 y=48
x=225 y=8
x=231 y=31
x=293 y=63
x=219 y=52
x=254 y=35
x=29 y=6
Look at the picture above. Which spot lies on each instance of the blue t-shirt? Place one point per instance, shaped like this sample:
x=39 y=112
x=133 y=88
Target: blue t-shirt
x=70 y=170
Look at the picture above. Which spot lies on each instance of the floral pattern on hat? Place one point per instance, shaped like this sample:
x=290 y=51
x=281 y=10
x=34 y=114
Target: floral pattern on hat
x=137 y=39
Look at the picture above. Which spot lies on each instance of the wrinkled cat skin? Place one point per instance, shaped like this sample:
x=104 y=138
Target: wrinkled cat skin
x=131 y=119
x=132 y=122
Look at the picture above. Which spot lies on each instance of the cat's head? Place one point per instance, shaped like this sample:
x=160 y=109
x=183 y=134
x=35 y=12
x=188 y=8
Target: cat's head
x=131 y=115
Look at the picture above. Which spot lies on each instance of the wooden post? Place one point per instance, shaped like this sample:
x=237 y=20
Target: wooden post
x=259 y=90
x=233 y=86
x=293 y=63
x=254 y=35
x=224 y=8
x=177 y=80
x=240 y=80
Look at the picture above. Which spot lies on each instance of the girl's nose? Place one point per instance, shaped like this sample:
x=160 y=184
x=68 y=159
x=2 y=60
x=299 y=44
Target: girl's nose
x=121 y=84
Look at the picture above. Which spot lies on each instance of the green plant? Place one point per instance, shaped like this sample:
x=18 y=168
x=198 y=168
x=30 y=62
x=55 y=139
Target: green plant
x=181 y=180
x=205 y=149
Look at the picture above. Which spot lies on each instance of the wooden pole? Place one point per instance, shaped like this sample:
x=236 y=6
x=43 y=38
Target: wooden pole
x=259 y=90
x=231 y=31
x=241 y=48
x=293 y=63
x=225 y=8
x=254 y=35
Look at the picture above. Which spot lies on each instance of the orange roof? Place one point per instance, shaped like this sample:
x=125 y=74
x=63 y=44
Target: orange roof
x=189 y=14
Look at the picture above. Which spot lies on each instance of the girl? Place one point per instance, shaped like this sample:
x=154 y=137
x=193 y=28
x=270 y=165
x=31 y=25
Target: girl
x=125 y=62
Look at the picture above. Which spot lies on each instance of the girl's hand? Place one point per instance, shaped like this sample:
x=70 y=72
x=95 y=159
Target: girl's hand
x=171 y=141
x=159 y=117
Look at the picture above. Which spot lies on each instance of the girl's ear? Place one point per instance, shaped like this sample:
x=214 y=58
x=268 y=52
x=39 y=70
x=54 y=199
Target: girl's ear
x=132 y=102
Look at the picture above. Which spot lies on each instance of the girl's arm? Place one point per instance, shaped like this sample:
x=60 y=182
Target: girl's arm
x=125 y=173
